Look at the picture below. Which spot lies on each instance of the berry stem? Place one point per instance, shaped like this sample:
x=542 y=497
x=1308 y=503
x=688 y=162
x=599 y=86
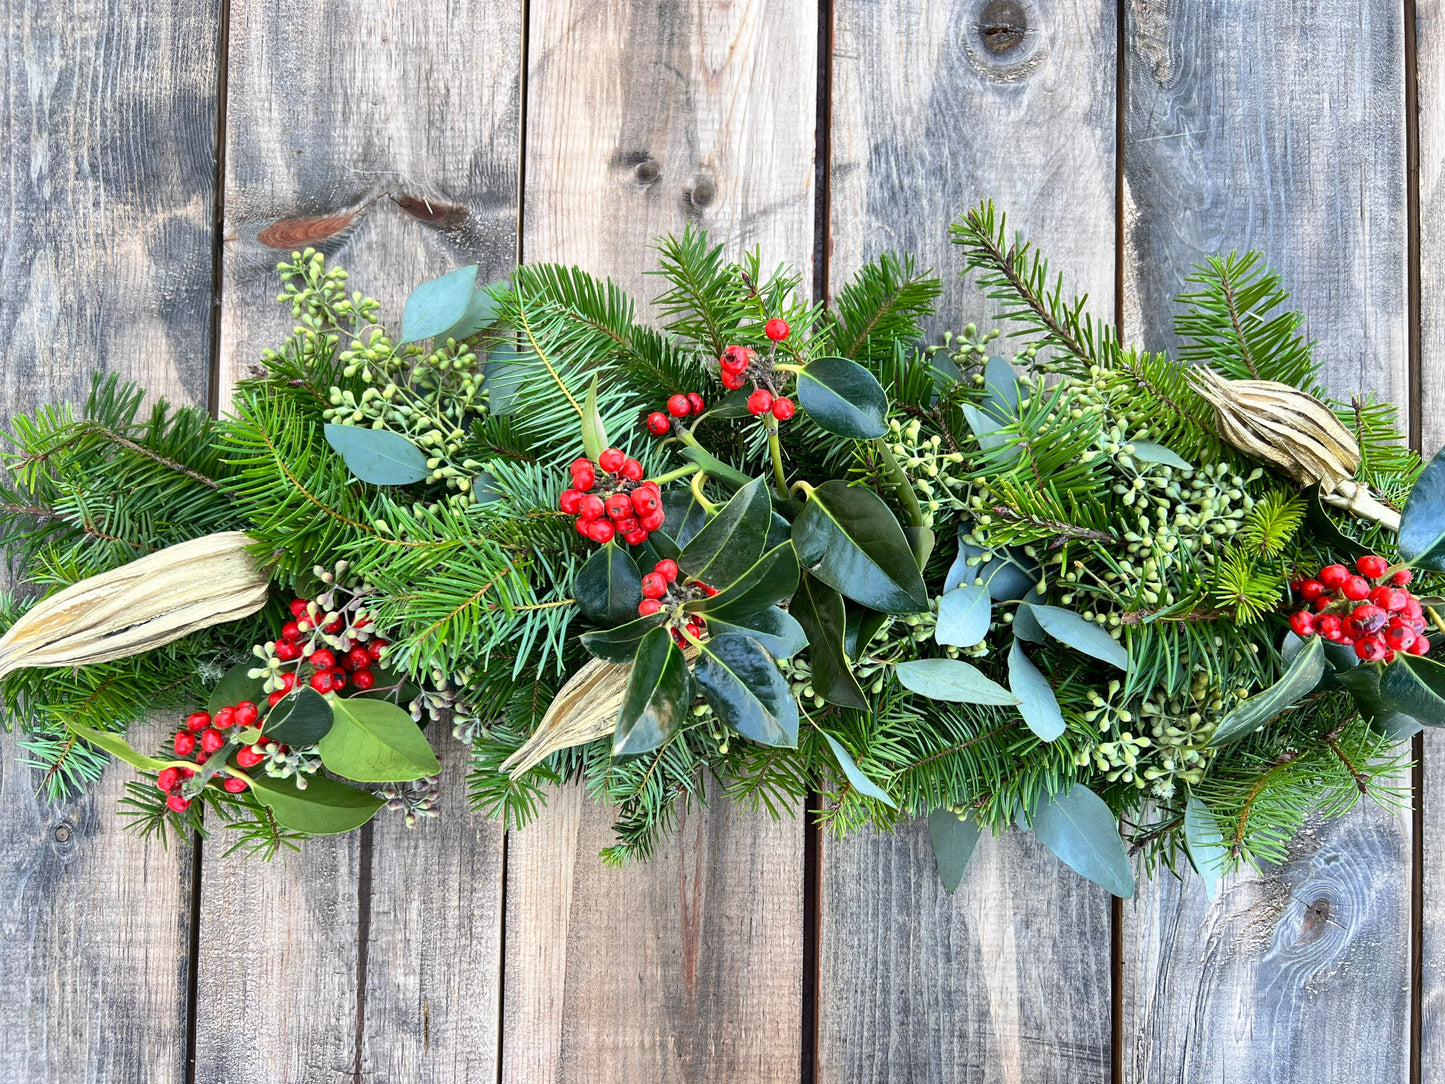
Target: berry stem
x=775 y=448
x=674 y=475
x=785 y=368
x=900 y=483
x=1435 y=618
x=696 y=484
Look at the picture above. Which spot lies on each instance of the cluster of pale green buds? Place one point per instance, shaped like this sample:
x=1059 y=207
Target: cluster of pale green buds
x=415 y=799
x=284 y=762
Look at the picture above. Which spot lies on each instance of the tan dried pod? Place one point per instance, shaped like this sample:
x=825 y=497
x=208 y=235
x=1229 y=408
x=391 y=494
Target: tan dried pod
x=1294 y=432
x=151 y=601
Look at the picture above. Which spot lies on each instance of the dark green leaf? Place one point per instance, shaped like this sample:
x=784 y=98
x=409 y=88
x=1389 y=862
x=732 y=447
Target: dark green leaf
x=303 y=718
x=861 y=783
x=378 y=456
x=742 y=683
x=1205 y=843
x=594 y=434
x=1299 y=681
x=372 y=741
x=1080 y=829
x=953 y=838
x=774 y=628
x=685 y=517
x=481 y=312
x=921 y=541
x=732 y=541
x=324 y=808
x=1069 y=628
x=436 y=306
x=1147 y=452
x=848 y=538
x=843 y=398
x=731 y=406
x=1414 y=686
x=819 y=609
x=658 y=698
x=620 y=644
x=773 y=578
x=1037 y=702
x=862 y=624
x=609 y=587
x=964 y=615
x=714 y=467
x=237 y=685
x=953 y=680
x=1422 y=525
x=1326 y=534
x=117 y=747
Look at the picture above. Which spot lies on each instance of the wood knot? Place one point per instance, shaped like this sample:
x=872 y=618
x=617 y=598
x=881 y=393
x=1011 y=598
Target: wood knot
x=1003 y=25
x=431 y=211
x=62 y=833
x=1317 y=916
x=292 y=233
x=646 y=171
x=701 y=192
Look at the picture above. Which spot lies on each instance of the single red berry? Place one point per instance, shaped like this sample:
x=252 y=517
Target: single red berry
x=211 y=740
x=653 y=521
x=321 y=681
x=636 y=538
x=358 y=658
x=1372 y=566
x=653 y=586
x=1311 y=590
x=375 y=648
x=322 y=659
x=184 y=743
x=1369 y=618
x=783 y=408
x=198 y=720
x=275 y=698
x=666 y=568
x=644 y=500
x=248 y=757
x=1370 y=648
x=696 y=402
x=584 y=480
x=592 y=507
x=288 y=650
x=334 y=627
x=693 y=629
x=1421 y=646
x=618 y=506
x=648 y=606
x=658 y=425
x=1390 y=598
x=291 y=631
x=235 y=784
x=363 y=679
x=298 y=607
x=1303 y=623
x=246 y=713
x=1324 y=602
x=1400 y=638
x=1356 y=588
x=225 y=719
x=733 y=381
x=1334 y=576
x=338 y=679
x=678 y=406
x=625 y=524
x=569 y=501
x=1328 y=627
x=776 y=329
x=176 y=804
x=1401 y=578
x=601 y=531
x=760 y=401
x=611 y=460
x=735 y=358
x=168 y=778
x=632 y=470
x=288 y=681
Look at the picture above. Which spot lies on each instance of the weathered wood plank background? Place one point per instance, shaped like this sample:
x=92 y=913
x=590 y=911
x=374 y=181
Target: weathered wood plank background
x=160 y=156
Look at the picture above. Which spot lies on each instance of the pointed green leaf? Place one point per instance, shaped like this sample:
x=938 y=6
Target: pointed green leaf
x=1325 y=532
x=235 y=686
x=843 y=398
x=378 y=456
x=303 y=718
x=1037 y=702
x=732 y=541
x=620 y=644
x=953 y=680
x=372 y=741
x=1414 y=686
x=324 y=808
x=609 y=587
x=773 y=578
x=921 y=541
x=658 y=698
x=1069 y=628
x=685 y=517
x=820 y=610
x=594 y=434
x=1080 y=829
x=860 y=782
x=117 y=747
x=438 y=305
x=861 y=625
x=1363 y=683
x=1422 y=525
x=742 y=683
x=990 y=434
x=953 y=838
x=848 y=538
x=1299 y=681
x=1205 y=843
x=964 y=615
x=774 y=628
x=1148 y=452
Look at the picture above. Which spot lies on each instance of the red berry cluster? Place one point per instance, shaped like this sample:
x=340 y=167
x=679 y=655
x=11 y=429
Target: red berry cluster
x=202 y=736
x=764 y=400
x=678 y=406
x=616 y=502
x=661 y=589
x=331 y=671
x=1376 y=619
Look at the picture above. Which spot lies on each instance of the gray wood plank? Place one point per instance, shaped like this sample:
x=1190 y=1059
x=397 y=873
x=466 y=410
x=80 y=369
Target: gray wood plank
x=394 y=148
x=106 y=197
x=1292 y=142
x=935 y=107
x=642 y=117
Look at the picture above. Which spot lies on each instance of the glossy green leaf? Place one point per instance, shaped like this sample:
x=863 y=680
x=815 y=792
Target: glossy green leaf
x=303 y=718
x=742 y=683
x=770 y=580
x=436 y=306
x=714 y=467
x=820 y=610
x=921 y=541
x=731 y=406
x=378 y=456
x=1421 y=540
x=773 y=627
x=953 y=838
x=1081 y=831
x=1205 y=844
x=1325 y=532
x=843 y=398
x=848 y=538
x=964 y=615
x=685 y=517
x=594 y=434
x=861 y=625
x=481 y=312
x=117 y=747
x=1037 y=702
x=372 y=741
x=324 y=808
x=1414 y=686
x=620 y=644
x=237 y=685
x=1069 y=628
x=658 y=698
x=860 y=782
x=1299 y=681
x=953 y=680
x=1148 y=452
x=609 y=586
x=732 y=541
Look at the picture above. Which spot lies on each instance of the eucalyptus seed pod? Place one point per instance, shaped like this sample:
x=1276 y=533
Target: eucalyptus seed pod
x=139 y=606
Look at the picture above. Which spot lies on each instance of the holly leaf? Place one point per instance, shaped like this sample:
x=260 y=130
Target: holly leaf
x=658 y=698
x=1326 y=534
x=116 y=746
x=774 y=628
x=437 y=305
x=324 y=808
x=1414 y=686
x=378 y=457
x=609 y=586
x=1081 y=831
x=1299 y=681
x=732 y=541
x=685 y=517
x=953 y=680
x=771 y=579
x=1037 y=702
x=848 y=538
x=620 y=644
x=844 y=398
x=742 y=683
x=235 y=686
x=594 y=433
x=964 y=615
x=860 y=782
x=303 y=718
x=1069 y=628
x=1205 y=844
x=1421 y=540
x=820 y=610
x=372 y=741
x=953 y=838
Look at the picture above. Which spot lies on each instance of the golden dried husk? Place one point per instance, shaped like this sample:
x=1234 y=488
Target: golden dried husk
x=139 y=606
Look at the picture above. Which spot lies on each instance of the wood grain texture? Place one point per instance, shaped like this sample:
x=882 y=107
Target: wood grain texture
x=394 y=148
x=937 y=106
x=641 y=118
x=1291 y=142
x=106 y=197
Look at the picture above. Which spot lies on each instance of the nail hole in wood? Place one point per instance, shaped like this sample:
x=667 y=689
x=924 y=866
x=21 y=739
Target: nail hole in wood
x=1003 y=25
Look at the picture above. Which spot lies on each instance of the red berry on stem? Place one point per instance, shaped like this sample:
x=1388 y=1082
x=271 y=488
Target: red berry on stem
x=338 y=679
x=176 y=804
x=298 y=607
x=225 y=719
x=321 y=681
x=363 y=679
x=653 y=586
x=644 y=501
x=1421 y=646
x=632 y=470
x=591 y=507
x=246 y=713
x=570 y=500
x=322 y=659
x=625 y=524
x=168 y=778
x=211 y=740
x=636 y=538
x=648 y=606
x=375 y=648
x=666 y=568
x=783 y=408
x=600 y=531
x=291 y=631
x=776 y=329
x=619 y=506
x=198 y=720
x=1303 y=623
x=611 y=460
x=247 y=757
x=1371 y=648
x=1400 y=637
x=658 y=425
x=1328 y=627
x=1369 y=618
x=1401 y=578
x=760 y=401
x=696 y=402
x=1334 y=576
x=1311 y=590
x=733 y=381
x=1324 y=602
x=288 y=650
x=235 y=784
x=1356 y=588
x=334 y=627
x=1372 y=566
x=288 y=681
x=584 y=479
x=653 y=521
x=678 y=406
x=184 y=743
x=358 y=658
x=275 y=698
